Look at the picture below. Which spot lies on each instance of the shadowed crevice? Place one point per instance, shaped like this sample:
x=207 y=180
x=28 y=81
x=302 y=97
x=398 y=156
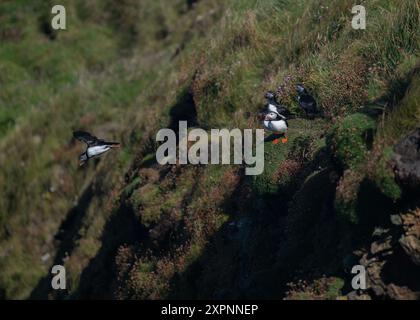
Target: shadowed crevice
x=67 y=235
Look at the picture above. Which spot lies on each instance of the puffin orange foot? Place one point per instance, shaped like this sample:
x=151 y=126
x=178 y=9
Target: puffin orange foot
x=284 y=140
x=275 y=141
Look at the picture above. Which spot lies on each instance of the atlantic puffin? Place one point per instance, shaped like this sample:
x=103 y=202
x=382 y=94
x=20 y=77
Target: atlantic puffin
x=277 y=123
x=273 y=105
x=307 y=102
x=95 y=146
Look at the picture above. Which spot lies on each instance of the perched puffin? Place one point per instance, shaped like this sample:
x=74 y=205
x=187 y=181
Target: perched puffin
x=95 y=146
x=277 y=123
x=306 y=102
x=273 y=105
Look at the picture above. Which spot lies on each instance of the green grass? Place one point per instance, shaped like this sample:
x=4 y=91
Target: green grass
x=275 y=175
x=122 y=65
x=350 y=139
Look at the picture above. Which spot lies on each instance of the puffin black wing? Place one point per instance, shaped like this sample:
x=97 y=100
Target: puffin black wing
x=308 y=104
x=277 y=108
x=86 y=137
x=284 y=111
x=91 y=140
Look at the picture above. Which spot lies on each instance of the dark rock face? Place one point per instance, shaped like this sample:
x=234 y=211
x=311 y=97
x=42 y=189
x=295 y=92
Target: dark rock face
x=410 y=240
x=393 y=260
x=406 y=160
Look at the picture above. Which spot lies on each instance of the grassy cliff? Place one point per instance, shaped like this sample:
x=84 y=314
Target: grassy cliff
x=127 y=227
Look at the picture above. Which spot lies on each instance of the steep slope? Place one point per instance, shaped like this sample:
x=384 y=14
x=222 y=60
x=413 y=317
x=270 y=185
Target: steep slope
x=94 y=76
x=129 y=228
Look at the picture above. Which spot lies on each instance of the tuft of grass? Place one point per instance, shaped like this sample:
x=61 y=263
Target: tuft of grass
x=347 y=194
x=323 y=288
x=351 y=139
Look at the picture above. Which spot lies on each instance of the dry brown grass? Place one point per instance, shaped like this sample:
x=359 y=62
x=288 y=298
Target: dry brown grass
x=348 y=186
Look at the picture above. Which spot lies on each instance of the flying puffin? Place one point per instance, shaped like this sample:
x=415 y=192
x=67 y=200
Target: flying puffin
x=273 y=105
x=277 y=123
x=306 y=102
x=95 y=146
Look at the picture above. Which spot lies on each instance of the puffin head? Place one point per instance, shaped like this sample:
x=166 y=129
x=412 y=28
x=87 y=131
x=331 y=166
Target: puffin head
x=270 y=95
x=270 y=116
x=300 y=89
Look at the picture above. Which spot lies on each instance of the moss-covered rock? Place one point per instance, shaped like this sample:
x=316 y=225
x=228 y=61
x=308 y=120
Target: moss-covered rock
x=350 y=140
x=384 y=176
